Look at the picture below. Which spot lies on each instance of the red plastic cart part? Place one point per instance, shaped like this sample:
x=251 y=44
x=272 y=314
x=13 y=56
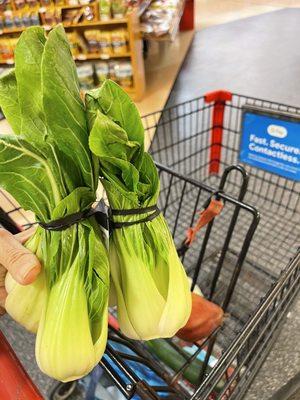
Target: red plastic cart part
x=15 y=383
x=208 y=214
x=187 y=19
x=219 y=98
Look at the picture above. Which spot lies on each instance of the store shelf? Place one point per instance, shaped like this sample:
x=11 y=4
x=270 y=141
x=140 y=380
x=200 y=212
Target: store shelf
x=14 y=30
x=96 y=56
x=130 y=23
x=84 y=57
x=115 y=21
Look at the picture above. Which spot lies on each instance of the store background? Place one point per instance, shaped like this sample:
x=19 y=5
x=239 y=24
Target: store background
x=248 y=47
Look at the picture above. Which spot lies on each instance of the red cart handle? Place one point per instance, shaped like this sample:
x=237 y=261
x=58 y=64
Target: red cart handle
x=15 y=383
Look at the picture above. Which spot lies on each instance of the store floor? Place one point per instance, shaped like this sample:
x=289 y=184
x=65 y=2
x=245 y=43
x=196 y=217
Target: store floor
x=256 y=56
x=214 y=12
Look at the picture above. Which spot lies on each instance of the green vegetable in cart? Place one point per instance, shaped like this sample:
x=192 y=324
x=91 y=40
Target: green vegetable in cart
x=48 y=167
x=175 y=360
x=151 y=286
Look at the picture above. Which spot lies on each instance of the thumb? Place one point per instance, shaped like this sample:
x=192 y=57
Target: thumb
x=19 y=261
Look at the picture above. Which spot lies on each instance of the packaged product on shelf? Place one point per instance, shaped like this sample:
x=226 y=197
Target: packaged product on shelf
x=1 y=22
x=5 y=50
x=2 y=50
x=92 y=40
x=119 y=8
x=70 y=17
x=8 y=19
x=85 y=2
x=72 y=2
x=86 y=76
x=18 y=20
x=12 y=44
x=32 y=3
x=123 y=71
x=81 y=43
x=19 y=4
x=102 y=70
x=112 y=70
x=89 y=14
x=34 y=18
x=105 y=10
x=72 y=39
x=45 y=3
x=104 y=39
x=119 y=41
x=159 y=17
x=49 y=17
x=26 y=19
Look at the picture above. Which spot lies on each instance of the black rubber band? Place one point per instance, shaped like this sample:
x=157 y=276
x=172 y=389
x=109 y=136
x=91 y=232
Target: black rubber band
x=133 y=211
x=65 y=222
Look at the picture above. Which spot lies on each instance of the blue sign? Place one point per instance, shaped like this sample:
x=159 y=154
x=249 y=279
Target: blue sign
x=271 y=142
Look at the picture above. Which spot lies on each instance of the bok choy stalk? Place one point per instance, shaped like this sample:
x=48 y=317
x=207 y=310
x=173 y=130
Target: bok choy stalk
x=48 y=167
x=152 y=290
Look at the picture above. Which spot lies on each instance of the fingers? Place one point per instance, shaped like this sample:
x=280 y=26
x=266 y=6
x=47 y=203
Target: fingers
x=3 y=295
x=20 y=262
x=23 y=236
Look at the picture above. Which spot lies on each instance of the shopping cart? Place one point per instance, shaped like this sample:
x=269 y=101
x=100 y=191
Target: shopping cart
x=246 y=259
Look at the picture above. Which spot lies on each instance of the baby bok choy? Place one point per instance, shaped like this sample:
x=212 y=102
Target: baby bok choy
x=151 y=287
x=48 y=168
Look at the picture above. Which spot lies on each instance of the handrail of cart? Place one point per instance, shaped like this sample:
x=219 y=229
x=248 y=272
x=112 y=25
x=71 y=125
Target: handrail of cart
x=230 y=354
x=219 y=193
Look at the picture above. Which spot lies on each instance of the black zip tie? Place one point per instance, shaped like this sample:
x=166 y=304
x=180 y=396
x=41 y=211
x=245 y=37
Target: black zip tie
x=63 y=223
x=133 y=211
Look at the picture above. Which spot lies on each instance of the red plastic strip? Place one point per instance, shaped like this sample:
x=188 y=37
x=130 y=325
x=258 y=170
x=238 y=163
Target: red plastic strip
x=15 y=383
x=187 y=19
x=219 y=99
x=215 y=207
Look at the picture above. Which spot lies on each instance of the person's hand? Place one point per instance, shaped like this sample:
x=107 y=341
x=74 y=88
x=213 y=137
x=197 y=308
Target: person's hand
x=17 y=260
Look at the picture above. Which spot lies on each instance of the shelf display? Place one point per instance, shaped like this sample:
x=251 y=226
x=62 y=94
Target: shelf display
x=161 y=19
x=92 y=75
x=16 y=14
x=96 y=30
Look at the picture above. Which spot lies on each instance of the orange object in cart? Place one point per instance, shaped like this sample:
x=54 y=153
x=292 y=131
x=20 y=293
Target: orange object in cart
x=15 y=383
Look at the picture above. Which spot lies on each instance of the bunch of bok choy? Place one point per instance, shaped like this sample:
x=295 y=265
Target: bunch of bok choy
x=48 y=167
x=152 y=290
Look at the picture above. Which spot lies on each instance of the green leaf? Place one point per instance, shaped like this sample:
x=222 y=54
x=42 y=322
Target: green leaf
x=9 y=101
x=114 y=102
x=64 y=109
x=25 y=174
x=28 y=58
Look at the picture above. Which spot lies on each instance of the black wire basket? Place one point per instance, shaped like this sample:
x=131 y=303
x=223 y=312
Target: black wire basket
x=246 y=259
